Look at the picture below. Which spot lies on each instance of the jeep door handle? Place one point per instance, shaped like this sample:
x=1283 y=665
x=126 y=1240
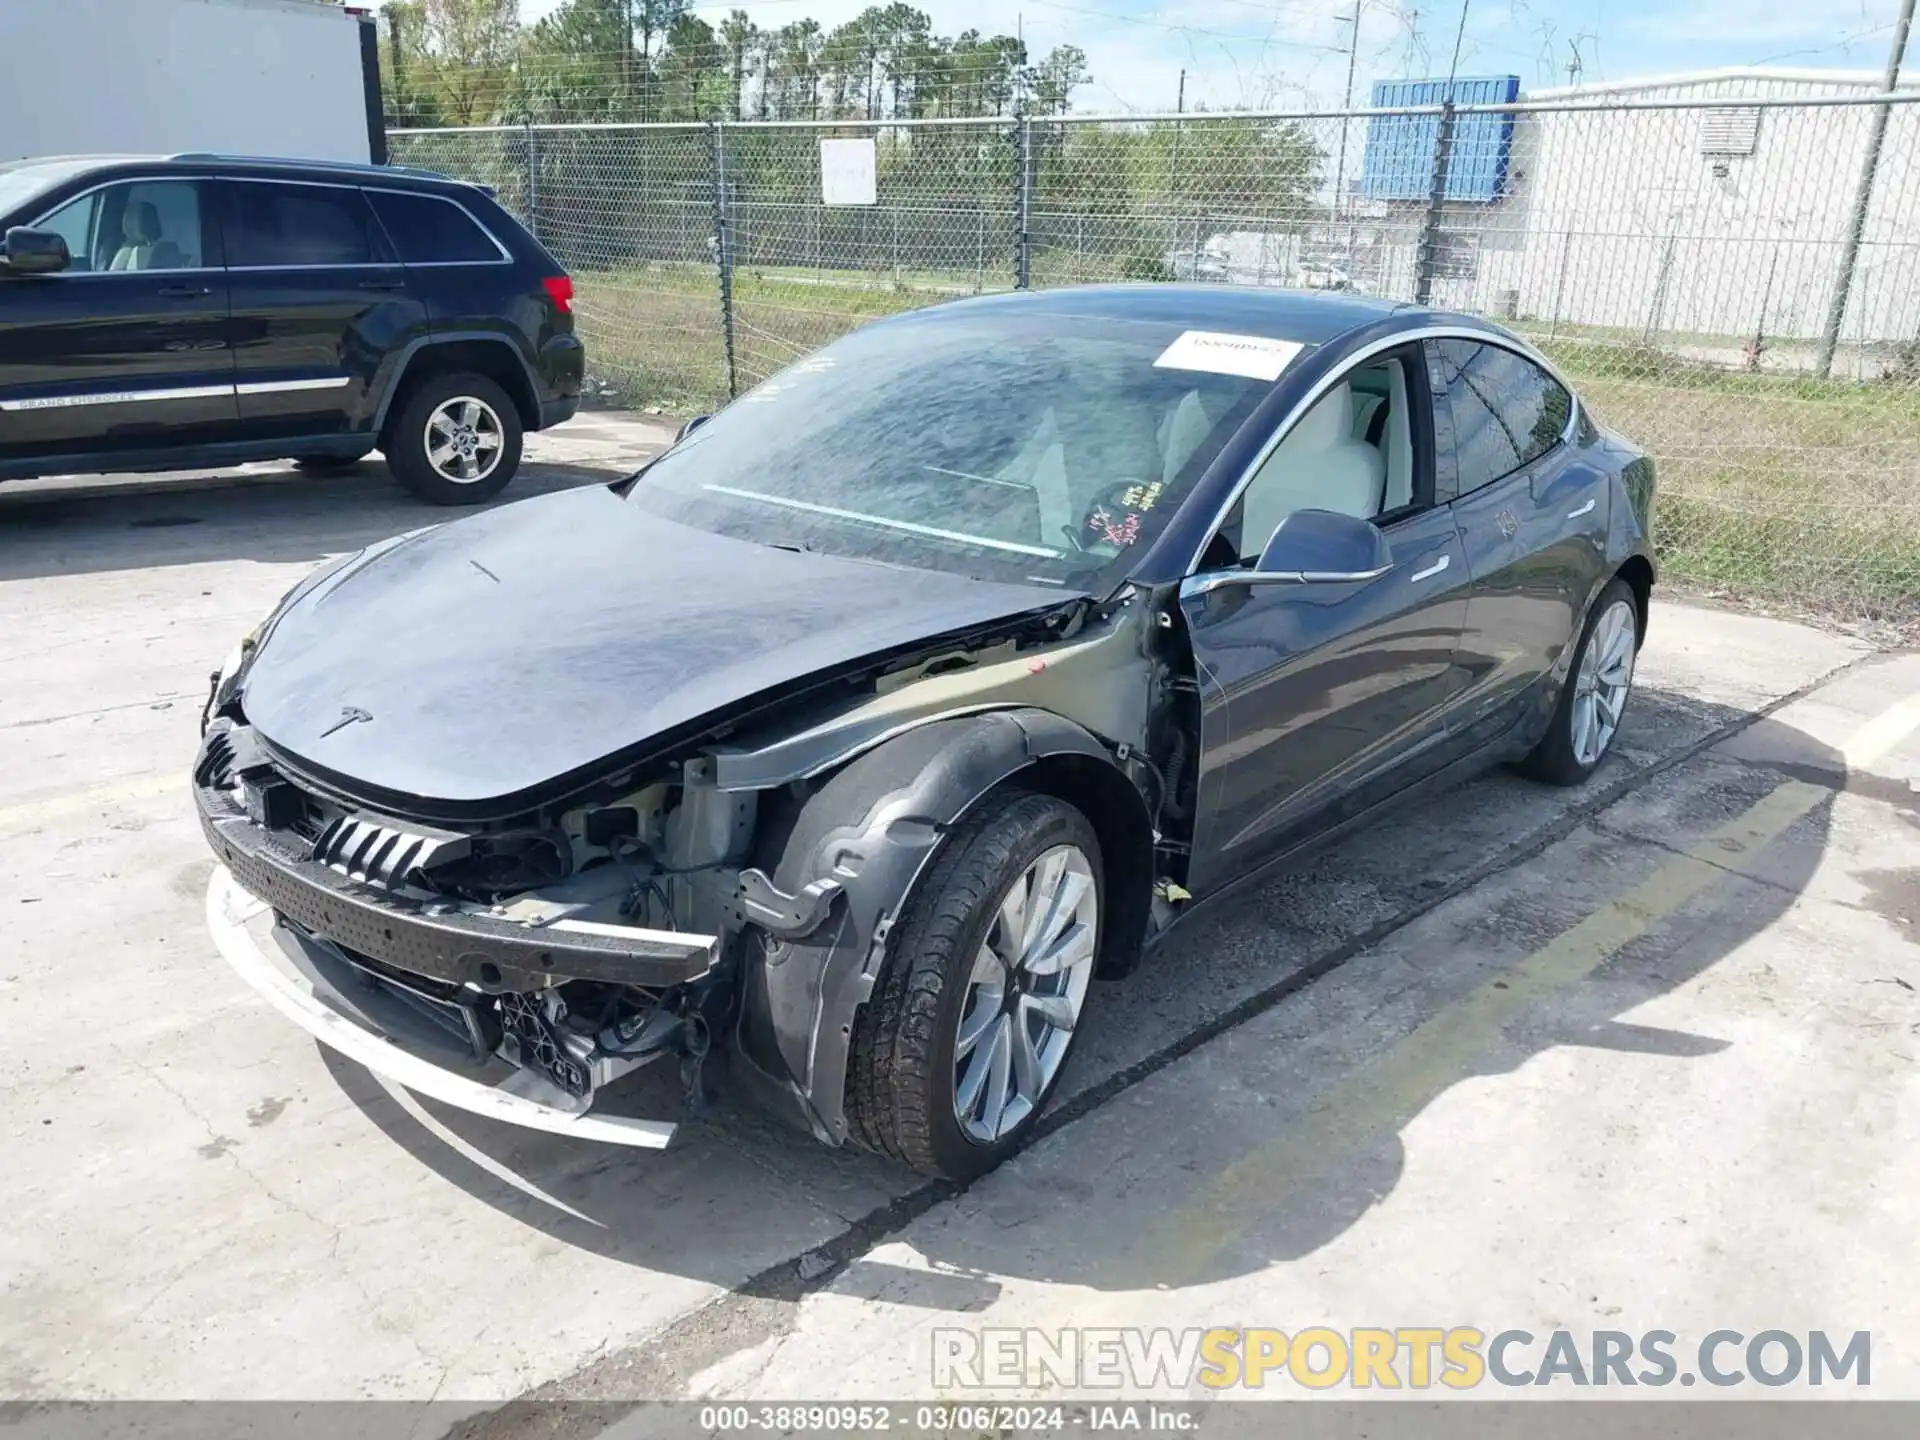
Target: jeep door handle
x=185 y=292
x=1432 y=570
x=1586 y=509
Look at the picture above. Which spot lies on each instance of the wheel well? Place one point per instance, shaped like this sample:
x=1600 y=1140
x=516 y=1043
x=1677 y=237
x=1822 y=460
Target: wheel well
x=491 y=358
x=1638 y=573
x=1107 y=798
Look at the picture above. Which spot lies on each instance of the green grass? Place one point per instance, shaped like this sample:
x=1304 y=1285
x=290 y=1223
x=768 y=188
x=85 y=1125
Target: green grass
x=1776 y=487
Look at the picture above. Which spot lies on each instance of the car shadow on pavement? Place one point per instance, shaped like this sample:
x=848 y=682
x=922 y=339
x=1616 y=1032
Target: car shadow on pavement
x=274 y=514
x=765 y=1196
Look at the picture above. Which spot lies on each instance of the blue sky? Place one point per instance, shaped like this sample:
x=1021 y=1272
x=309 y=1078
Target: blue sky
x=1289 y=52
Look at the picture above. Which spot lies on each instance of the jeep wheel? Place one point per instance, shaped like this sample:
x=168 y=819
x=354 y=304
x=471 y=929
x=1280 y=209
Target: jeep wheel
x=987 y=977
x=456 y=440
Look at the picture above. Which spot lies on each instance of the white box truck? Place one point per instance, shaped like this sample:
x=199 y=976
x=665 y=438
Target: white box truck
x=295 y=78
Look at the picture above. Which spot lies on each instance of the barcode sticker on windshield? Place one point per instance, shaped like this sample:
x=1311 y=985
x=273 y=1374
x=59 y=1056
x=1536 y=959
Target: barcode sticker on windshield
x=1254 y=356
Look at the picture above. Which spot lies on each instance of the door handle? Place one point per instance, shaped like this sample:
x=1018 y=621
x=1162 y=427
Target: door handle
x=383 y=284
x=185 y=292
x=1586 y=509
x=1432 y=570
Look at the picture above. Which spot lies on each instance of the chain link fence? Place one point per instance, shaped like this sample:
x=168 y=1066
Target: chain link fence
x=1733 y=281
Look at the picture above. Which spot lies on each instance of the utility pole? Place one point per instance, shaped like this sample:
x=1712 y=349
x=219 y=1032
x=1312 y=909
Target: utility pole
x=1863 y=195
x=1353 y=53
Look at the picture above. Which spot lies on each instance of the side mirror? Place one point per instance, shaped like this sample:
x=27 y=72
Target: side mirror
x=1309 y=547
x=692 y=425
x=1323 y=547
x=33 y=252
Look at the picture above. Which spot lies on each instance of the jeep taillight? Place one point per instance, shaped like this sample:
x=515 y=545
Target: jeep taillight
x=559 y=289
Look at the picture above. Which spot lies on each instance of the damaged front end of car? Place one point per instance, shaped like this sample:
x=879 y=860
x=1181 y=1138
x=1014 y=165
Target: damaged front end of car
x=730 y=893
x=515 y=972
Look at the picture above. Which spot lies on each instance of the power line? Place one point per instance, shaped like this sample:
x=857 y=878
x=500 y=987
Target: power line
x=1841 y=44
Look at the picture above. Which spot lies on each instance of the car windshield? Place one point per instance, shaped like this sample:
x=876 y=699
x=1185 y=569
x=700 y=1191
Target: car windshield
x=1022 y=446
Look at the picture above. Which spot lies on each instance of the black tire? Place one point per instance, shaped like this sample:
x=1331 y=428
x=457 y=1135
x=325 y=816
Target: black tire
x=325 y=464
x=1554 y=760
x=900 y=1074
x=406 y=448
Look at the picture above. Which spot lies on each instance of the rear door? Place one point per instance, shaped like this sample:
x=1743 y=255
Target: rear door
x=1532 y=514
x=454 y=262
x=1313 y=694
x=319 y=301
x=127 y=348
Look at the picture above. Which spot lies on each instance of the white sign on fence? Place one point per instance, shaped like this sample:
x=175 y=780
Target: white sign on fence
x=847 y=173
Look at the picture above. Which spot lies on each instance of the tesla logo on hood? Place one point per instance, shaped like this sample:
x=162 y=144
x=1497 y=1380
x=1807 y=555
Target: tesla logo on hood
x=349 y=715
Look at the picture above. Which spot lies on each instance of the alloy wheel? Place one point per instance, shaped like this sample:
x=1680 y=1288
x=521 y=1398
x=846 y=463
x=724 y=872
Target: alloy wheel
x=1601 y=686
x=464 y=440
x=1025 y=993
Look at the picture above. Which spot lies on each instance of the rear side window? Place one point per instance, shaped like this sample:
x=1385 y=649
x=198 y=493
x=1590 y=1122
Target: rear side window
x=430 y=231
x=1500 y=410
x=271 y=224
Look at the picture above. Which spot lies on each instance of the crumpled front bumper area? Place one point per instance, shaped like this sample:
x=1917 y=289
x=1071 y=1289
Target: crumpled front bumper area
x=379 y=1030
x=414 y=991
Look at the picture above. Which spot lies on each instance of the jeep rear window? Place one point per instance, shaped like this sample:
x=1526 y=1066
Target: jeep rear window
x=430 y=231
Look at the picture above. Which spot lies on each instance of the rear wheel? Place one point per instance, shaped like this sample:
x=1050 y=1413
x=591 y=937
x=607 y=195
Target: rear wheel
x=1594 y=697
x=456 y=440
x=988 y=973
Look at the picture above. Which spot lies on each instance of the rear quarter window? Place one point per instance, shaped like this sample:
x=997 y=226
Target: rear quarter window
x=427 y=230
x=1503 y=411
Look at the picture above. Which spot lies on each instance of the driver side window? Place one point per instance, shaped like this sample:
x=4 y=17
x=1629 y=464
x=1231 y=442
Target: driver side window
x=139 y=225
x=1352 y=453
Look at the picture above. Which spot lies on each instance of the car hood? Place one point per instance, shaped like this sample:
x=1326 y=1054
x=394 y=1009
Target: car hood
x=484 y=659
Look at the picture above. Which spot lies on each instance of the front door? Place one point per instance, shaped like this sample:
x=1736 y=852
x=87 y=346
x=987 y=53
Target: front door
x=1532 y=514
x=127 y=348
x=1309 y=691
x=319 y=299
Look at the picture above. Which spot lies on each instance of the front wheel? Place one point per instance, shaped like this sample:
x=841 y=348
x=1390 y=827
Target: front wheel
x=456 y=440
x=1594 y=695
x=983 y=991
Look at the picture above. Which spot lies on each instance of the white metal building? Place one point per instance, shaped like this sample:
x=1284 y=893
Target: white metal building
x=1702 y=225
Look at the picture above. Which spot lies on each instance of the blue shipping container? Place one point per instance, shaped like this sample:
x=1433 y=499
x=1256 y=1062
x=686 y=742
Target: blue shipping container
x=1397 y=163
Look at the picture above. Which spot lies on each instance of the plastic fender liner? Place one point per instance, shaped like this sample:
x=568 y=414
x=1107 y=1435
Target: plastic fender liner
x=873 y=828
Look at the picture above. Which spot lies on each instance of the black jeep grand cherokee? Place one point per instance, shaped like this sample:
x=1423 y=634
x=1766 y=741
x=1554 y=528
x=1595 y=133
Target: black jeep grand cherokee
x=199 y=310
